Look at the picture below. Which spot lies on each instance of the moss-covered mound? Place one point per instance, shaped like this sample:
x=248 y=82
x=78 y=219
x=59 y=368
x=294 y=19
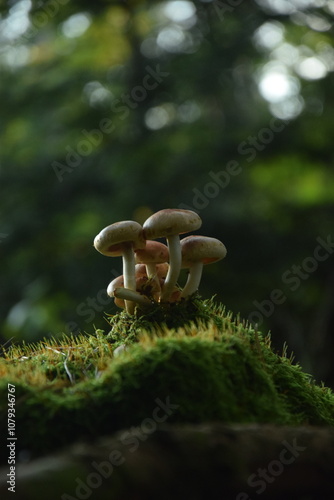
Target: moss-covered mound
x=215 y=368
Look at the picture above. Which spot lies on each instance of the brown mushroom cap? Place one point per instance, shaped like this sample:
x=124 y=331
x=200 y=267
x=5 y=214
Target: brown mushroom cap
x=119 y=303
x=140 y=270
x=162 y=270
x=201 y=249
x=146 y=286
x=110 y=241
x=153 y=253
x=116 y=283
x=171 y=221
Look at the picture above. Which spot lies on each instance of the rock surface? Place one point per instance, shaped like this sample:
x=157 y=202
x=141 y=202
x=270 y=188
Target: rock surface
x=195 y=462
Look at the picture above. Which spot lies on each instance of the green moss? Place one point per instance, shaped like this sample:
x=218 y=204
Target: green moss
x=213 y=367
x=126 y=329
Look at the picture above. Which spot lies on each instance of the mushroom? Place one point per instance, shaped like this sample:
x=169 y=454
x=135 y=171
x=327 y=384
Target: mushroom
x=197 y=251
x=154 y=253
x=131 y=296
x=161 y=273
x=162 y=270
x=140 y=270
x=148 y=287
x=119 y=293
x=120 y=239
x=169 y=224
x=116 y=283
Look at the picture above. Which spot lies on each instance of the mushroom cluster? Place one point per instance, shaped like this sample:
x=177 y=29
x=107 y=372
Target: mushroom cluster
x=150 y=268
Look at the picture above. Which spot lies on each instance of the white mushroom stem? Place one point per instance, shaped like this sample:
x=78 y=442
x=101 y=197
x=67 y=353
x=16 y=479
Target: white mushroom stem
x=152 y=274
x=151 y=270
x=129 y=274
x=131 y=295
x=194 y=279
x=175 y=259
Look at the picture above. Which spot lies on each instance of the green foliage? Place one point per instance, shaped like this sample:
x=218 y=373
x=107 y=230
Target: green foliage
x=213 y=369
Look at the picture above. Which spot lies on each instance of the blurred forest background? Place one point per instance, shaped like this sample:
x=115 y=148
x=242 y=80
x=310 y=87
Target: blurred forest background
x=114 y=110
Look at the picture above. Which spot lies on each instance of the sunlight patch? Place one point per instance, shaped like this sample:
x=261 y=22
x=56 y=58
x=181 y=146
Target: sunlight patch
x=76 y=25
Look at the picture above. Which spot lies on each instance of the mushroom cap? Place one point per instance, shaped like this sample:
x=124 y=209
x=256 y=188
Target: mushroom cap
x=153 y=253
x=140 y=270
x=119 y=302
x=162 y=270
x=141 y=282
x=201 y=249
x=111 y=239
x=116 y=283
x=146 y=286
x=169 y=222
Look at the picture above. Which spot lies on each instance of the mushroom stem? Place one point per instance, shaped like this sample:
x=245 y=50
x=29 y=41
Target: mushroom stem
x=129 y=274
x=174 y=266
x=131 y=296
x=152 y=274
x=151 y=270
x=194 y=278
